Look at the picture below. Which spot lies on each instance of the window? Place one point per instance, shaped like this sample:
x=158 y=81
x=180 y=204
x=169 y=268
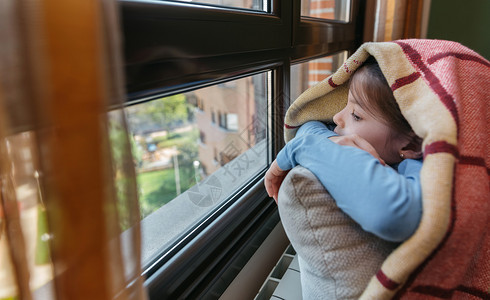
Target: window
x=247 y=4
x=202 y=64
x=232 y=122
x=326 y=9
x=178 y=144
x=202 y=137
x=222 y=120
x=307 y=74
x=228 y=121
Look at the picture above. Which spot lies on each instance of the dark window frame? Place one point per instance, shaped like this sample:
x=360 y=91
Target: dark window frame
x=172 y=47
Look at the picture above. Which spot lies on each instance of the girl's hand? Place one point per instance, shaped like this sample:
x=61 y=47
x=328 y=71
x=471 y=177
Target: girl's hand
x=273 y=179
x=354 y=140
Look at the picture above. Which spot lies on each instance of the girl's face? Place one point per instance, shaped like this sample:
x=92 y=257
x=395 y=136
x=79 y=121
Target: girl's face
x=355 y=120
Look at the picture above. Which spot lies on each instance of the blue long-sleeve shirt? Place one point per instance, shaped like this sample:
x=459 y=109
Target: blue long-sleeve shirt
x=384 y=200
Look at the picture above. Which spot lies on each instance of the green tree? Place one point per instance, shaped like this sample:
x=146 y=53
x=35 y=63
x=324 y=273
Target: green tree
x=167 y=111
x=188 y=153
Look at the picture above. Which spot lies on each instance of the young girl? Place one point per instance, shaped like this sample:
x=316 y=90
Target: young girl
x=370 y=163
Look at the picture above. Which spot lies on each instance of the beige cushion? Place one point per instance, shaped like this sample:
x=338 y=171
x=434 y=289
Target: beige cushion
x=337 y=258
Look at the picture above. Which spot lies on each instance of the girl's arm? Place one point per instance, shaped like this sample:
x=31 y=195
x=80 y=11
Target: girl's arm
x=317 y=128
x=383 y=201
x=275 y=175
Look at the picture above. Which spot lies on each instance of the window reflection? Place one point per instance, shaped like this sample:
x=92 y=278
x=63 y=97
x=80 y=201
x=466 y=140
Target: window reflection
x=308 y=74
x=326 y=9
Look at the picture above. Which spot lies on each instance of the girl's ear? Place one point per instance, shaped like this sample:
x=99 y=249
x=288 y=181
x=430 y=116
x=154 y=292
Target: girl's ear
x=413 y=149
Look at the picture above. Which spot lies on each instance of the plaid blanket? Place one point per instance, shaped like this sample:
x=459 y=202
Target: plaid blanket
x=443 y=90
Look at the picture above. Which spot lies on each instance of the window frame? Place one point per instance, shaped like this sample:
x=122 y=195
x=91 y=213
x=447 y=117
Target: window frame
x=222 y=44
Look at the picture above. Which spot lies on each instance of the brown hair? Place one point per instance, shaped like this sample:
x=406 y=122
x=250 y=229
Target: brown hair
x=369 y=86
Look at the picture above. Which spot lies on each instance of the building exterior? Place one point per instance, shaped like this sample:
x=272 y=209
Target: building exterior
x=227 y=120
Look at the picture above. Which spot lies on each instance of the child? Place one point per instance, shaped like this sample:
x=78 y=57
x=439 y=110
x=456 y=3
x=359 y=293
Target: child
x=370 y=163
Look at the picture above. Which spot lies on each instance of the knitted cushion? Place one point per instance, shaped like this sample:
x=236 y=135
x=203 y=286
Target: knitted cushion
x=337 y=258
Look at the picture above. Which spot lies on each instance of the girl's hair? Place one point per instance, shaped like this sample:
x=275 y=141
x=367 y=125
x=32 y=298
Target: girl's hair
x=369 y=86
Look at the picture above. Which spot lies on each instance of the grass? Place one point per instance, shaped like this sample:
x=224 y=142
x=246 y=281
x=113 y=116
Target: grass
x=157 y=188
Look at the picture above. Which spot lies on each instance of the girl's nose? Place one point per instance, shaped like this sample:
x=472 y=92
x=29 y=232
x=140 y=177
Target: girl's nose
x=338 y=120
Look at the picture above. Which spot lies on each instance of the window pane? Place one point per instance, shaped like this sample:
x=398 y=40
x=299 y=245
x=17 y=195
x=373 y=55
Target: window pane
x=193 y=151
x=248 y=4
x=305 y=75
x=326 y=9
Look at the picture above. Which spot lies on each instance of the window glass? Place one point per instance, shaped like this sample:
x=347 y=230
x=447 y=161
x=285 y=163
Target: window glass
x=232 y=122
x=326 y=9
x=187 y=164
x=307 y=74
x=248 y=4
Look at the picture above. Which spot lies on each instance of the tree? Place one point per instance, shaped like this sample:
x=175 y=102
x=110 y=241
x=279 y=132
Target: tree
x=166 y=112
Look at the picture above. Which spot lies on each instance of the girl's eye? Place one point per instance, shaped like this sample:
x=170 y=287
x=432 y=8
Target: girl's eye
x=355 y=117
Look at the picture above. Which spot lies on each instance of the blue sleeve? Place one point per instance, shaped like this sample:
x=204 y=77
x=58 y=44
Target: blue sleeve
x=317 y=128
x=383 y=201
